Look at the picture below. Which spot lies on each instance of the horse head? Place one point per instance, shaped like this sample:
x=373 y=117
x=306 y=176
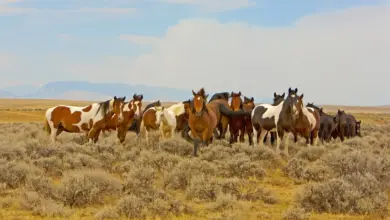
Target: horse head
x=199 y=102
x=292 y=92
x=116 y=103
x=236 y=102
x=249 y=103
x=278 y=98
x=159 y=114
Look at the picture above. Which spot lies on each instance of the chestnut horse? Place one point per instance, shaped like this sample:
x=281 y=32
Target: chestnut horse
x=203 y=118
x=279 y=118
x=240 y=123
x=307 y=123
x=90 y=119
x=129 y=112
x=223 y=121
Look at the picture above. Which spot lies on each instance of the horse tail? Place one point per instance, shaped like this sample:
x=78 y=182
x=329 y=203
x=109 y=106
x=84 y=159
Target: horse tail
x=46 y=126
x=229 y=113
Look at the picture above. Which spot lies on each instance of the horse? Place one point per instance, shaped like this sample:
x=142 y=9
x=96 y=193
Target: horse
x=112 y=123
x=129 y=112
x=307 y=123
x=341 y=122
x=236 y=124
x=327 y=123
x=182 y=120
x=203 y=117
x=249 y=105
x=224 y=121
x=220 y=95
x=166 y=119
x=90 y=119
x=136 y=125
x=279 y=118
x=353 y=126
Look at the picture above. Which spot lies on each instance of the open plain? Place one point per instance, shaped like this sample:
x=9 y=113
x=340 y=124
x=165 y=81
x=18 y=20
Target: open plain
x=73 y=180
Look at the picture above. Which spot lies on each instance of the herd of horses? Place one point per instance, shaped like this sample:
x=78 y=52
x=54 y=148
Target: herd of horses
x=200 y=120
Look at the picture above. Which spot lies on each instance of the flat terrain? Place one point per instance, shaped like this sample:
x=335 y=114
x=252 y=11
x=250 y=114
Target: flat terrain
x=160 y=180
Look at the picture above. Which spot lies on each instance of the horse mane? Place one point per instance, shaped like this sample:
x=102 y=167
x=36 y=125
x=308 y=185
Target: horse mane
x=104 y=106
x=153 y=104
x=220 y=95
x=177 y=108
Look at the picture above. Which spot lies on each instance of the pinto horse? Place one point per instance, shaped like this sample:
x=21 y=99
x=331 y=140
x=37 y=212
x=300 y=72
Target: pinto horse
x=90 y=119
x=136 y=125
x=130 y=111
x=307 y=123
x=279 y=118
x=112 y=123
x=203 y=118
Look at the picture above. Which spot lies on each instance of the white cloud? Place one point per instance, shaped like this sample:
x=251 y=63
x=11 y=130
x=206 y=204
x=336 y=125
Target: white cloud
x=215 y=5
x=340 y=57
x=140 y=40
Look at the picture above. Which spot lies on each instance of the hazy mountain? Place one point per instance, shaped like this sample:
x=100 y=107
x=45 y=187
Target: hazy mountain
x=21 y=90
x=80 y=90
x=6 y=94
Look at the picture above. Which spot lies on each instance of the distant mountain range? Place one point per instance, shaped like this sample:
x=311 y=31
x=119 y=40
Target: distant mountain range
x=80 y=90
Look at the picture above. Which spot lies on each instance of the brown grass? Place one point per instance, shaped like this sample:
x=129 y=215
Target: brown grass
x=39 y=180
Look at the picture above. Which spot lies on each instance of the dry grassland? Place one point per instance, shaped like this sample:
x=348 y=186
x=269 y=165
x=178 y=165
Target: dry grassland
x=72 y=180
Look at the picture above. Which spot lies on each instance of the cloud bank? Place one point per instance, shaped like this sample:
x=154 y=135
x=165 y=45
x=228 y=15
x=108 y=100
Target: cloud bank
x=339 y=57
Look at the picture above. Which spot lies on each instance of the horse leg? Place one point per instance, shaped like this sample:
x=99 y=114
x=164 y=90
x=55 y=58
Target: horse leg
x=286 y=139
x=232 y=132
x=96 y=137
x=279 y=138
x=295 y=137
x=262 y=135
x=242 y=133
x=197 y=140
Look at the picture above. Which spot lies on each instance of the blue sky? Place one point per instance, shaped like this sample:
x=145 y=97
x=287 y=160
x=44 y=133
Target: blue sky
x=51 y=38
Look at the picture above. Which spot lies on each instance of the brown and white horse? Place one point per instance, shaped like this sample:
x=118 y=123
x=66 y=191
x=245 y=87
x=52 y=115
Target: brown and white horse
x=129 y=112
x=90 y=119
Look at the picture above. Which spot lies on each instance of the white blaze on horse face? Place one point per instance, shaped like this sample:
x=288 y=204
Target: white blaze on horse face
x=137 y=112
x=124 y=109
x=198 y=97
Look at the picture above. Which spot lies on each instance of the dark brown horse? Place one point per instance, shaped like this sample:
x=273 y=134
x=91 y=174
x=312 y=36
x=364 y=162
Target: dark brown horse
x=241 y=123
x=182 y=120
x=236 y=124
x=220 y=95
x=307 y=123
x=353 y=127
x=327 y=123
x=249 y=105
x=341 y=125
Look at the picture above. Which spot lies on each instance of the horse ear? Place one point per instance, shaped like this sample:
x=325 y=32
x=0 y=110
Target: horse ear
x=296 y=90
x=239 y=93
x=274 y=94
x=301 y=97
x=252 y=99
x=193 y=93
x=134 y=96
x=283 y=94
x=289 y=90
x=115 y=98
x=142 y=97
x=231 y=95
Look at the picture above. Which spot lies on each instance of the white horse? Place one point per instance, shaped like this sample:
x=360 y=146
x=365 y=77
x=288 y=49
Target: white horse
x=166 y=118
